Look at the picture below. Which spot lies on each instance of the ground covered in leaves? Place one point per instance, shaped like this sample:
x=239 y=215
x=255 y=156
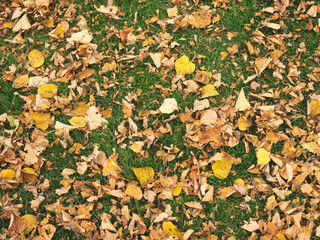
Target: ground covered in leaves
x=159 y=119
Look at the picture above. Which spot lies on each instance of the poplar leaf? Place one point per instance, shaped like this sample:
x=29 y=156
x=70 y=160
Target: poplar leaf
x=144 y=174
x=184 y=66
x=36 y=58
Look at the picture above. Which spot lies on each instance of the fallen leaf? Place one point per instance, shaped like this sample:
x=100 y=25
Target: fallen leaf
x=184 y=66
x=263 y=156
x=144 y=174
x=134 y=191
x=200 y=18
x=168 y=230
x=209 y=91
x=36 y=58
x=31 y=222
x=48 y=90
x=80 y=109
x=22 y=24
x=243 y=124
x=177 y=190
x=83 y=37
x=168 y=106
x=8 y=174
x=21 y=81
x=42 y=120
x=172 y=12
x=242 y=103
x=222 y=168
x=78 y=122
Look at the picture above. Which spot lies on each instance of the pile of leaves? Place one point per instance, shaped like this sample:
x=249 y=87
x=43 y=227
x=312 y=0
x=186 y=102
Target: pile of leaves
x=270 y=113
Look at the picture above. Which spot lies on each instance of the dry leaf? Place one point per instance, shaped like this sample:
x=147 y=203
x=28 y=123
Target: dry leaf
x=222 y=168
x=80 y=109
x=22 y=24
x=31 y=222
x=209 y=91
x=36 y=58
x=168 y=106
x=170 y=230
x=184 y=66
x=83 y=37
x=8 y=174
x=263 y=156
x=134 y=191
x=314 y=106
x=144 y=174
x=172 y=12
x=242 y=103
x=58 y=32
x=243 y=124
x=177 y=190
x=200 y=18
x=21 y=81
x=78 y=122
x=42 y=120
x=48 y=90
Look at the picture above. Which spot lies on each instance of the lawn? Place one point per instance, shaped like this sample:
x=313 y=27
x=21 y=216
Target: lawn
x=159 y=119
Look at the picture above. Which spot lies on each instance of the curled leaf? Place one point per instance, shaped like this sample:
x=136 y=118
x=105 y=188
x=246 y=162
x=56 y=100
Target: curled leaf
x=177 y=190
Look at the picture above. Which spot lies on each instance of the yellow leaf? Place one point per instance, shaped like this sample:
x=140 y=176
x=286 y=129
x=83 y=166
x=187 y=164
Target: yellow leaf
x=170 y=230
x=8 y=174
x=80 y=109
x=30 y=171
x=223 y=55
x=41 y=120
x=8 y=25
x=243 y=124
x=78 y=121
x=314 y=108
x=184 y=66
x=48 y=90
x=58 y=32
x=209 y=91
x=177 y=190
x=36 y=58
x=144 y=174
x=200 y=18
x=221 y=169
x=48 y=23
x=31 y=222
x=21 y=81
x=263 y=156
x=242 y=103
x=134 y=191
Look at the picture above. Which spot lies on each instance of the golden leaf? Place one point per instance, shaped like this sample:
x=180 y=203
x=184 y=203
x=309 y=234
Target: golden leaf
x=134 y=191
x=48 y=23
x=184 y=66
x=209 y=91
x=8 y=174
x=41 y=120
x=78 y=121
x=177 y=190
x=242 y=103
x=224 y=55
x=203 y=77
x=263 y=156
x=36 y=58
x=58 y=32
x=243 y=124
x=21 y=81
x=144 y=174
x=200 y=18
x=170 y=230
x=31 y=222
x=222 y=168
x=48 y=90
x=80 y=109
x=314 y=108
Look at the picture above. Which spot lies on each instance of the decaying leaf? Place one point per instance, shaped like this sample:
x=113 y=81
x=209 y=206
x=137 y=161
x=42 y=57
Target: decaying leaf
x=242 y=103
x=144 y=174
x=82 y=37
x=184 y=66
x=168 y=106
x=200 y=18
